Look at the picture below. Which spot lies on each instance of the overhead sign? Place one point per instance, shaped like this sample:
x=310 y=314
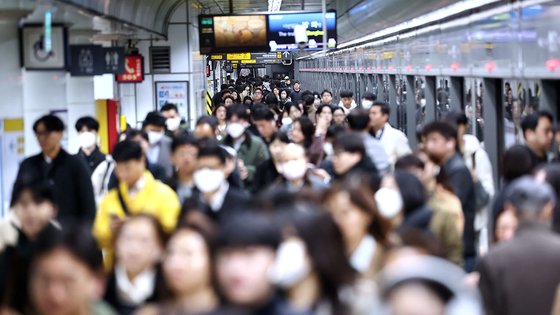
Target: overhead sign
x=88 y=60
x=281 y=35
x=232 y=33
x=134 y=70
x=254 y=58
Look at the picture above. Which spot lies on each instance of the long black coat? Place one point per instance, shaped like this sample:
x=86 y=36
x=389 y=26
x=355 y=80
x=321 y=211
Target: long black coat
x=73 y=190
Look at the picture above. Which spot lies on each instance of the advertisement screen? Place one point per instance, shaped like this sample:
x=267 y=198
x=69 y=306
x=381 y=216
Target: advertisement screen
x=281 y=31
x=233 y=33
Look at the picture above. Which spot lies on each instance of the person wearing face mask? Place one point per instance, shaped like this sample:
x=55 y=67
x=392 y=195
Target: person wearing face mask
x=216 y=198
x=251 y=150
x=367 y=100
x=160 y=144
x=295 y=172
x=137 y=192
x=174 y=124
x=316 y=280
x=87 y=128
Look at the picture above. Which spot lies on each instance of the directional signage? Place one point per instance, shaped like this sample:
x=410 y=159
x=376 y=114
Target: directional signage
x=89 y=60
x=254 y=58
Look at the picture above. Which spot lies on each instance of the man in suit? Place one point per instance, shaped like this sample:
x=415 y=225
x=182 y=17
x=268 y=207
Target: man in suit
x=216 y=197
x=521 y=276
x=160 y=144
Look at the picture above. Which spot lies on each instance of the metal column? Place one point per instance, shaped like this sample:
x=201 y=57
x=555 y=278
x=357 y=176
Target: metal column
x=430 y=94
x=393 y=100
x=549 y=97
x=493 y=123
x=411 y=111
x=456 y=88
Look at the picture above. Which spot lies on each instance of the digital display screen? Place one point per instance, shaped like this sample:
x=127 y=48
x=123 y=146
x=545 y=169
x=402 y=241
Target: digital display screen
x=281 y=31
x=233 y=33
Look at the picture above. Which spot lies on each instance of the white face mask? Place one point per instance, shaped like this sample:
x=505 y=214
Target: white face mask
x=294 y=169
x=173 y=123
x=328 y=148
x=87 y=139
x=286 y=121
x=366 y=104
x=235 y=130
x=208 y=180
x=154 y=137
x=389 y=202
x=291 y=264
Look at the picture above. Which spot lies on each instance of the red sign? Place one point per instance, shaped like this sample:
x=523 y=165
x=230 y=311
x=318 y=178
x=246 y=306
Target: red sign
x=133 y=70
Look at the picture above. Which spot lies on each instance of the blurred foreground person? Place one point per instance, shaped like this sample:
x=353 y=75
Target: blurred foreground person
x=135 y=277
x=66 y=274
x=425 y=285
x=34 y=210
x=506 y=282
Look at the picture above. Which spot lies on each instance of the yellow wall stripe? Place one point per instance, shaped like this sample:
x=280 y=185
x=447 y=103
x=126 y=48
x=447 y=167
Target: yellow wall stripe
x=101 y=115
x=12 y=125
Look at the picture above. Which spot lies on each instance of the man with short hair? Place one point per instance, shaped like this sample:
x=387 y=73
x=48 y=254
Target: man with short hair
x=367 y=100
x=88 y=128
x=137 y=192
x=160 y=144
x=216 y=197
x=173 y=122
x=350 y=157
x=521 y=276
x=393 y=140
x=358 y=121
x=326 y=98
x=207 y=128
x=251 y=150
x=69 y=175
x=265 y=121
x=538 y=133
x=258 y=95
x=296 y=92
x=441 y=146
x=347 y=102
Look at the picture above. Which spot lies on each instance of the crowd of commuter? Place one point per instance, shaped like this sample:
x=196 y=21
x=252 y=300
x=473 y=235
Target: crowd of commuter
x=283 y=202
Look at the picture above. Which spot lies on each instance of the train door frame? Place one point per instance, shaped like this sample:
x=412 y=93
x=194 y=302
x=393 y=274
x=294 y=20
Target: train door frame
x=393 y=99
x=550 y=98
x=430 y=95
x=493 y=123
x=410 y=109
x=456 y=92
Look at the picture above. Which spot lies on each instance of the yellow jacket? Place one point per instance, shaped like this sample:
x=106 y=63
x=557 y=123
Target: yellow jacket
x=154 y=198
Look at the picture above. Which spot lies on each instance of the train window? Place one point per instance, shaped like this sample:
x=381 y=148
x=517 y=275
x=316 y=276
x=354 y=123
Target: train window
x=474 y=107
x=443 y=98
x=420 y=98
x=520 y=99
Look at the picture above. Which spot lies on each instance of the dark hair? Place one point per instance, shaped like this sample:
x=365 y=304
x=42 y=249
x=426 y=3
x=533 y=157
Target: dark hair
x=212 y=121
x=516 y=162
x=284 y=90
x=238 y=110
x=326 y=91
x=289 y=106
x=230 y=97
x=41 y=191
x=531 y=121
x=88 y=122
x=271 y=99
x=552 y=172
x=358 y=120
x=154 y=118
x=346 y=93
x=323 y=106
x=307 y=129
x=183 y=139
x=457 y=118
x=262 y=112
x=212 y=150
x=161 y=235
x=51 y=123
x=248 y=229
x=308 y=99
x=385 y=109
x=281 y=136
x=247 y=98
x=443 y=128
x=334 y=130
x=409 y=161
x=76 y=239
x=169 y=106
x=338 y=108
x=313 y=225
x=349 y=142
x=127 y=150
x=360 y=195
x=215 y=110
x=412 y=191
x=133 y=133
x=369 y=96
x=259 y=89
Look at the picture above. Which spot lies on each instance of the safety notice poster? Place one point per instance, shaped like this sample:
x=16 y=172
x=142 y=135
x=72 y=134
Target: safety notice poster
x=173 y=92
